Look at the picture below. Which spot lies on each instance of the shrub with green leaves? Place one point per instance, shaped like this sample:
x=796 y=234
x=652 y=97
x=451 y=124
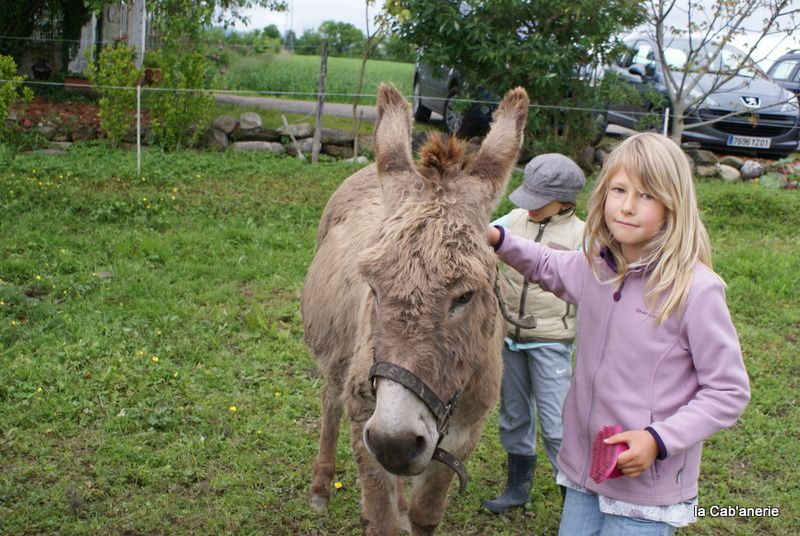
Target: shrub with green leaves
x=115 y=76
x=12 y=90
x=181 y=109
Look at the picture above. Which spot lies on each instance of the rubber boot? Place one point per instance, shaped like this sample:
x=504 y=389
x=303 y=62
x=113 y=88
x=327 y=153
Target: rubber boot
x=518 y=487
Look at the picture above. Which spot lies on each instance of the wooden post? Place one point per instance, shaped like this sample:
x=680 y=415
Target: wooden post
x=323 y=74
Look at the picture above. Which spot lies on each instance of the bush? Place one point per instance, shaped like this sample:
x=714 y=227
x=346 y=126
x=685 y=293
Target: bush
x=12 y=90
x=181 y=111
x=114 y=76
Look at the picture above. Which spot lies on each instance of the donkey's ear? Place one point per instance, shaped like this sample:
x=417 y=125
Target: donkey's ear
x=499 y=150
x=393 y=132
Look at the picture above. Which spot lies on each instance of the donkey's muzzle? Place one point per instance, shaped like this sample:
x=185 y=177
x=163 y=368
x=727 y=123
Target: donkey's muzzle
x=401 y=453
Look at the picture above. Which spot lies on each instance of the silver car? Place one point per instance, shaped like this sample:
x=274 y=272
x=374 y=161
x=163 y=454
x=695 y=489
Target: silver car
x=768 y=120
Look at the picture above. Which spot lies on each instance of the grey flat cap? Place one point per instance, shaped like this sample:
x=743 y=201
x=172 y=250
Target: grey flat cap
x=549 y=177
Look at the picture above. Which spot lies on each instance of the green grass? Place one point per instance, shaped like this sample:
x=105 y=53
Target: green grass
x=200 y=264
x=293 y=73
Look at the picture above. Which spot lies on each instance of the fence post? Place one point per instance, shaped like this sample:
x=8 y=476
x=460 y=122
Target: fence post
x=139 y=128
x=323 y=74
x=666 y=121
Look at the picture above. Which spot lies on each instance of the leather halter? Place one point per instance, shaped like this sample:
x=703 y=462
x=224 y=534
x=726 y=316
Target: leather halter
x=441 y=410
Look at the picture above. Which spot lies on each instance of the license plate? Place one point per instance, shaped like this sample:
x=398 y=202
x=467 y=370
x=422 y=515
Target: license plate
x=749 y=141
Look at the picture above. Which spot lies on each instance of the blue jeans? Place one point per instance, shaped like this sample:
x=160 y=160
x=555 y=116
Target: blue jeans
x=582 y=517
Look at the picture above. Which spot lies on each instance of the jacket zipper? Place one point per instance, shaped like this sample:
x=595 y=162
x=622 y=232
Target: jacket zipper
x=589 y=434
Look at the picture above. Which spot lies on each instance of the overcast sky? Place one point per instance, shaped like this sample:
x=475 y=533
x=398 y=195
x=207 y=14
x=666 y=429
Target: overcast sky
x=309 y=14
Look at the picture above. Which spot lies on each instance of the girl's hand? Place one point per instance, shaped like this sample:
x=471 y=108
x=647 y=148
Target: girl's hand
x=494 y=235
x=641 y=453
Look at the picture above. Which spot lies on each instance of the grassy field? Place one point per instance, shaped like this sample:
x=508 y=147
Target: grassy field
x=293 y=73
x=153 y=378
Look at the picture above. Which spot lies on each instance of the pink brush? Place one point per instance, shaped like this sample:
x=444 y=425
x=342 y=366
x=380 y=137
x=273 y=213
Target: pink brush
x=604 y=457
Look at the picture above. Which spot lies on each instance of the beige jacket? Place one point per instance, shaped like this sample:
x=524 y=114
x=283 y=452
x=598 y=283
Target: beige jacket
x=555 y=319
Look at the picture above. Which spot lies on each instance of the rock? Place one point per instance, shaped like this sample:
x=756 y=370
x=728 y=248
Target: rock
x=366 y=144
x=706 y=172
x=46 y=131
x=339 y=151
x=60 y=145
x=752 y=169
x=259 y=134
x=585 y=157
x=702 y=157
x=249 y=121
x=306 y=144
x=226 y=124
x=83 y=132
x=733 y=161
x=359 y=160
x=60 y=135
x=336 y=136
x=690 y=145
x=298 y=130
x=217 y=139
x=265 y=146
x=46 y=152
x=772 y=180
x=729 y=173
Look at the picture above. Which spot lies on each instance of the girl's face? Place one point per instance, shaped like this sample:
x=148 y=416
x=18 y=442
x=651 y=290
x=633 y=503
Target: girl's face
x=632 y=216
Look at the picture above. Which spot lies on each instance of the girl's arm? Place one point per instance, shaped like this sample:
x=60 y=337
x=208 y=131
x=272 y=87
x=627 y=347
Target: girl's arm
x=717 y=357
x=559 y=272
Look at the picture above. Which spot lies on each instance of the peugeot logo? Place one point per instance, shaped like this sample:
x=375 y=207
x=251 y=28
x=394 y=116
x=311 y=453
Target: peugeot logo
x=751 y=102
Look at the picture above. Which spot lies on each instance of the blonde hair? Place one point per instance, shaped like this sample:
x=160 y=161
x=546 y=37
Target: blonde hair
x=662 y=170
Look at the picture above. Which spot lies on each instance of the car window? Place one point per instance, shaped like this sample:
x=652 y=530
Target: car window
x=643 y=53
x=783 y=69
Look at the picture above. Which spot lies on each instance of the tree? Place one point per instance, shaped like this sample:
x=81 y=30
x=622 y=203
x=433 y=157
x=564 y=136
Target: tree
x=499 y=44
x=59 y=20
x=702 y=36
x=343 y=38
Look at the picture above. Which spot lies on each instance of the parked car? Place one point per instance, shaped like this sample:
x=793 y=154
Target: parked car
x=436 y=89
x=769 y=120
x=786 y=71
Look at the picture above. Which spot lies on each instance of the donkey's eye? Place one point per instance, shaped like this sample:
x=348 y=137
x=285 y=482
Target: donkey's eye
x=465 y=298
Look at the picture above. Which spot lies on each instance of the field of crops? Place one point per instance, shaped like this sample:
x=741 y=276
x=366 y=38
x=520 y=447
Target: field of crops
x=290 y=73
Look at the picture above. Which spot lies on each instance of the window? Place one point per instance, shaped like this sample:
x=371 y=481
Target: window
x=783 y=69
x=643 y=53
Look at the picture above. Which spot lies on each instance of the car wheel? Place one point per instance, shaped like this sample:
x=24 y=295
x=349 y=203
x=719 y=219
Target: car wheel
x=421 y=113
x=453 y=118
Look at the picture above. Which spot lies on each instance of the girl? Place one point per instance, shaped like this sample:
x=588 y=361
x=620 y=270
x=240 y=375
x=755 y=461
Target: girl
x=656 y=350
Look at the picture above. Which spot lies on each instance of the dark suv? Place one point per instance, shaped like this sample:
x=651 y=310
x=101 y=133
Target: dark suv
x=786 y=71
x=437 y=89
x=769 y=117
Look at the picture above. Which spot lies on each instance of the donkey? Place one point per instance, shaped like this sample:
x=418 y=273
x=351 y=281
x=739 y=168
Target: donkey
x=399 y=309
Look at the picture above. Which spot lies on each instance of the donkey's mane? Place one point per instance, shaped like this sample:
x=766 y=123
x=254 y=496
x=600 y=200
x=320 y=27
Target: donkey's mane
x=442 y=157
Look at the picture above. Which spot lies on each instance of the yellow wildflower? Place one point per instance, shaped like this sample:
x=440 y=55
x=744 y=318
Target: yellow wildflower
x=338 y=485
x=39 y=389
x=154 y=359
x=277 y=394
x=232 y=409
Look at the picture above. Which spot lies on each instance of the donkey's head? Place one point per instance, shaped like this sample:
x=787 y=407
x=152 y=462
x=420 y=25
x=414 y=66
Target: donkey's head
x=432 y=273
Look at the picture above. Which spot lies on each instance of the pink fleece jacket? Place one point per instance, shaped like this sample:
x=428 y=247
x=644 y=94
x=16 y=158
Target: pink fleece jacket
x=684 y=378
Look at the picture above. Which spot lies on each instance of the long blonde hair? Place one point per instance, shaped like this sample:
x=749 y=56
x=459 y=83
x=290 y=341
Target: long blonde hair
x=663 y=171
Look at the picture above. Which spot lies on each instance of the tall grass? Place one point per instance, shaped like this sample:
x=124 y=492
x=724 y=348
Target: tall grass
x=153 y=378
x=298 y=76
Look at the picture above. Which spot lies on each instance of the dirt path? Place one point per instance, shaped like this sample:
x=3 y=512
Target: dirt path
x=299 y=107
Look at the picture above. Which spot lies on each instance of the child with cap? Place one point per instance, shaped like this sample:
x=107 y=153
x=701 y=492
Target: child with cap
x=537 y=364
